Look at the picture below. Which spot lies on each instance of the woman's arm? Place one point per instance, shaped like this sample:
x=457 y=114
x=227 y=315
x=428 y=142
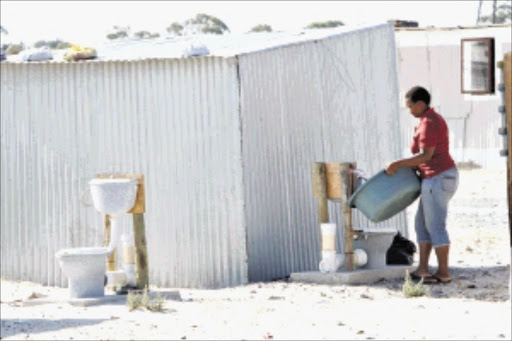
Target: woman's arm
x=422 y=157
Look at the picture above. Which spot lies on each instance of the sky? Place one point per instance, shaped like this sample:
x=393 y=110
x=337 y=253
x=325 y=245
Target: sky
x=87 y=22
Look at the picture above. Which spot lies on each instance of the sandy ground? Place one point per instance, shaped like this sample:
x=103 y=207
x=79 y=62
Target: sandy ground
x=476 y=305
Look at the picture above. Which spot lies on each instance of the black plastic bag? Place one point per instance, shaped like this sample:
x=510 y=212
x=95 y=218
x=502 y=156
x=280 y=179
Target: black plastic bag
x=404 y=243
x=396 y=256
x=401 y=251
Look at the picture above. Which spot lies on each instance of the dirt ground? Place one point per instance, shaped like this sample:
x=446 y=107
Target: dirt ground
x=475 y=305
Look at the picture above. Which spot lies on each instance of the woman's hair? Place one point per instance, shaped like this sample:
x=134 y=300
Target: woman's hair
x=418 y=93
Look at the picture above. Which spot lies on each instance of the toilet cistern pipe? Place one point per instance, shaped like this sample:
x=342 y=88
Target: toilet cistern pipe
x=115 y=278
x=114 y=234
x=123 y=277
x=332 y=261
x=126 y=276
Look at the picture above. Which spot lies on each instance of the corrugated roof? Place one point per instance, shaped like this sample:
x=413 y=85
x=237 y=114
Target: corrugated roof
x=226 y=45
x=434 y=28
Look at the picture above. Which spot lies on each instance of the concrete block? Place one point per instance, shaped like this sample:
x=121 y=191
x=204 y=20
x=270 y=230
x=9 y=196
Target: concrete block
x=106 y=299
x=361 y=276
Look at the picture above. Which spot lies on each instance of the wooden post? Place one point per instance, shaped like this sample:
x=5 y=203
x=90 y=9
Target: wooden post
x=346 y=192
x=141 y=252
x=111 y=259
x=320 y=191
x=507 y=70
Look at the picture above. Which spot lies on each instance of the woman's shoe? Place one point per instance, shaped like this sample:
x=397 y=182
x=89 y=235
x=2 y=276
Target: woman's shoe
x=418 y=277
x=435 y=280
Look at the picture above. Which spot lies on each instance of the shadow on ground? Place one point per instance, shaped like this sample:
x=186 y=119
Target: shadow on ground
x=486 y=283
x=10 y=327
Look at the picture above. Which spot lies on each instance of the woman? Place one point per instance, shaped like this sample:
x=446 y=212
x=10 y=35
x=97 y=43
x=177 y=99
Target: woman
x=440 y=179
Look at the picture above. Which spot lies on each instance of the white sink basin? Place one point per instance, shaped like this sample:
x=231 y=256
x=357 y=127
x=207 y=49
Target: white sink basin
x=113 y=196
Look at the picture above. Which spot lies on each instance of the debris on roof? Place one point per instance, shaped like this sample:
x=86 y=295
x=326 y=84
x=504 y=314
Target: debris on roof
x=225 y=45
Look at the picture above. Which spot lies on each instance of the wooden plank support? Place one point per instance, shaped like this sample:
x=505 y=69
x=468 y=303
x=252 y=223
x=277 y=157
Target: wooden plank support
x=346 y=192
x=335 y=181
x=141 y=252
x=320 y=192
x=507 y=69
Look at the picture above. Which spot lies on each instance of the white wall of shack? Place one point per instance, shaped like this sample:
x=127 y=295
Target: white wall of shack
x=175 y=121
x=432 y=58
x=227 y=178
x=332 y=100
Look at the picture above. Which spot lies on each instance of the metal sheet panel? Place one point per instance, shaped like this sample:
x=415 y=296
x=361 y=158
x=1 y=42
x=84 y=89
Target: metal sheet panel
x=331 y=100
x=175 y=121
x=210 y=189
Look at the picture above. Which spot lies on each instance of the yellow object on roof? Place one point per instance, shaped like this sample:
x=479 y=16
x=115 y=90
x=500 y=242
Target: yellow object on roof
x=78 y=52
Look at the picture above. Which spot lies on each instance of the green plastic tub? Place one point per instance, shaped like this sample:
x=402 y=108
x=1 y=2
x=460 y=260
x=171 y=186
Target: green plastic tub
x=384 y=195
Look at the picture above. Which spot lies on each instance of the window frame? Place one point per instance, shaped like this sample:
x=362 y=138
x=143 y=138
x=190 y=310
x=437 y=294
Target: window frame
x=490 y=67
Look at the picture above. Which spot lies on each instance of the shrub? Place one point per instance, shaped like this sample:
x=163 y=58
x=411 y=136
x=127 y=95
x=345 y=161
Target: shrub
x=411 y=289
x=325 y=24
x=140 y=298
x=262 y=28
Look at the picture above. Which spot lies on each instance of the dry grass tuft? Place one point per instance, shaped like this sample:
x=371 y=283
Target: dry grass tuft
x=140 y=299
x=411 y=289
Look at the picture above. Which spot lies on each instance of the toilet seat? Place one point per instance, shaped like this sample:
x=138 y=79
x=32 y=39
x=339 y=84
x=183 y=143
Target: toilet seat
x=376 y=229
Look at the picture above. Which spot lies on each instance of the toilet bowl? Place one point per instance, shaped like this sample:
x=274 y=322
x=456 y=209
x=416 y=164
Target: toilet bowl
x=375 y=241
x=85 y=268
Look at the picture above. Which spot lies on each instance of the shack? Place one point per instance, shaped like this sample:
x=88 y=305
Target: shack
x=459 y=65
x=225 y=141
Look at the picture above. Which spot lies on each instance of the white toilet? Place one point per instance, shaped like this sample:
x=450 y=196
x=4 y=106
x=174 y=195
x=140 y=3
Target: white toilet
x=85 y=268
x=375 y=241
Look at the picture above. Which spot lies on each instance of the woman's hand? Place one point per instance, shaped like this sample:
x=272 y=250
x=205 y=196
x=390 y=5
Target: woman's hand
x=392 y=167
x=415 y=161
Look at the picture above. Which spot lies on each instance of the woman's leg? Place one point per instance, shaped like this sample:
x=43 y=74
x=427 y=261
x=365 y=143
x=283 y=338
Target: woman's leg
x=443 y=273
x=424 y=242
x=436 y=210
x=425 y=249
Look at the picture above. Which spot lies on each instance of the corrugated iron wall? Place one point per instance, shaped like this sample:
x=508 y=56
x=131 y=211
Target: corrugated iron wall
x=175 y=121
x=328 y=100
x=227 y=180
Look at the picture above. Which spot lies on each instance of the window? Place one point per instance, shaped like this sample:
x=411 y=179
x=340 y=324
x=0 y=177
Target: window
x=477 y=66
